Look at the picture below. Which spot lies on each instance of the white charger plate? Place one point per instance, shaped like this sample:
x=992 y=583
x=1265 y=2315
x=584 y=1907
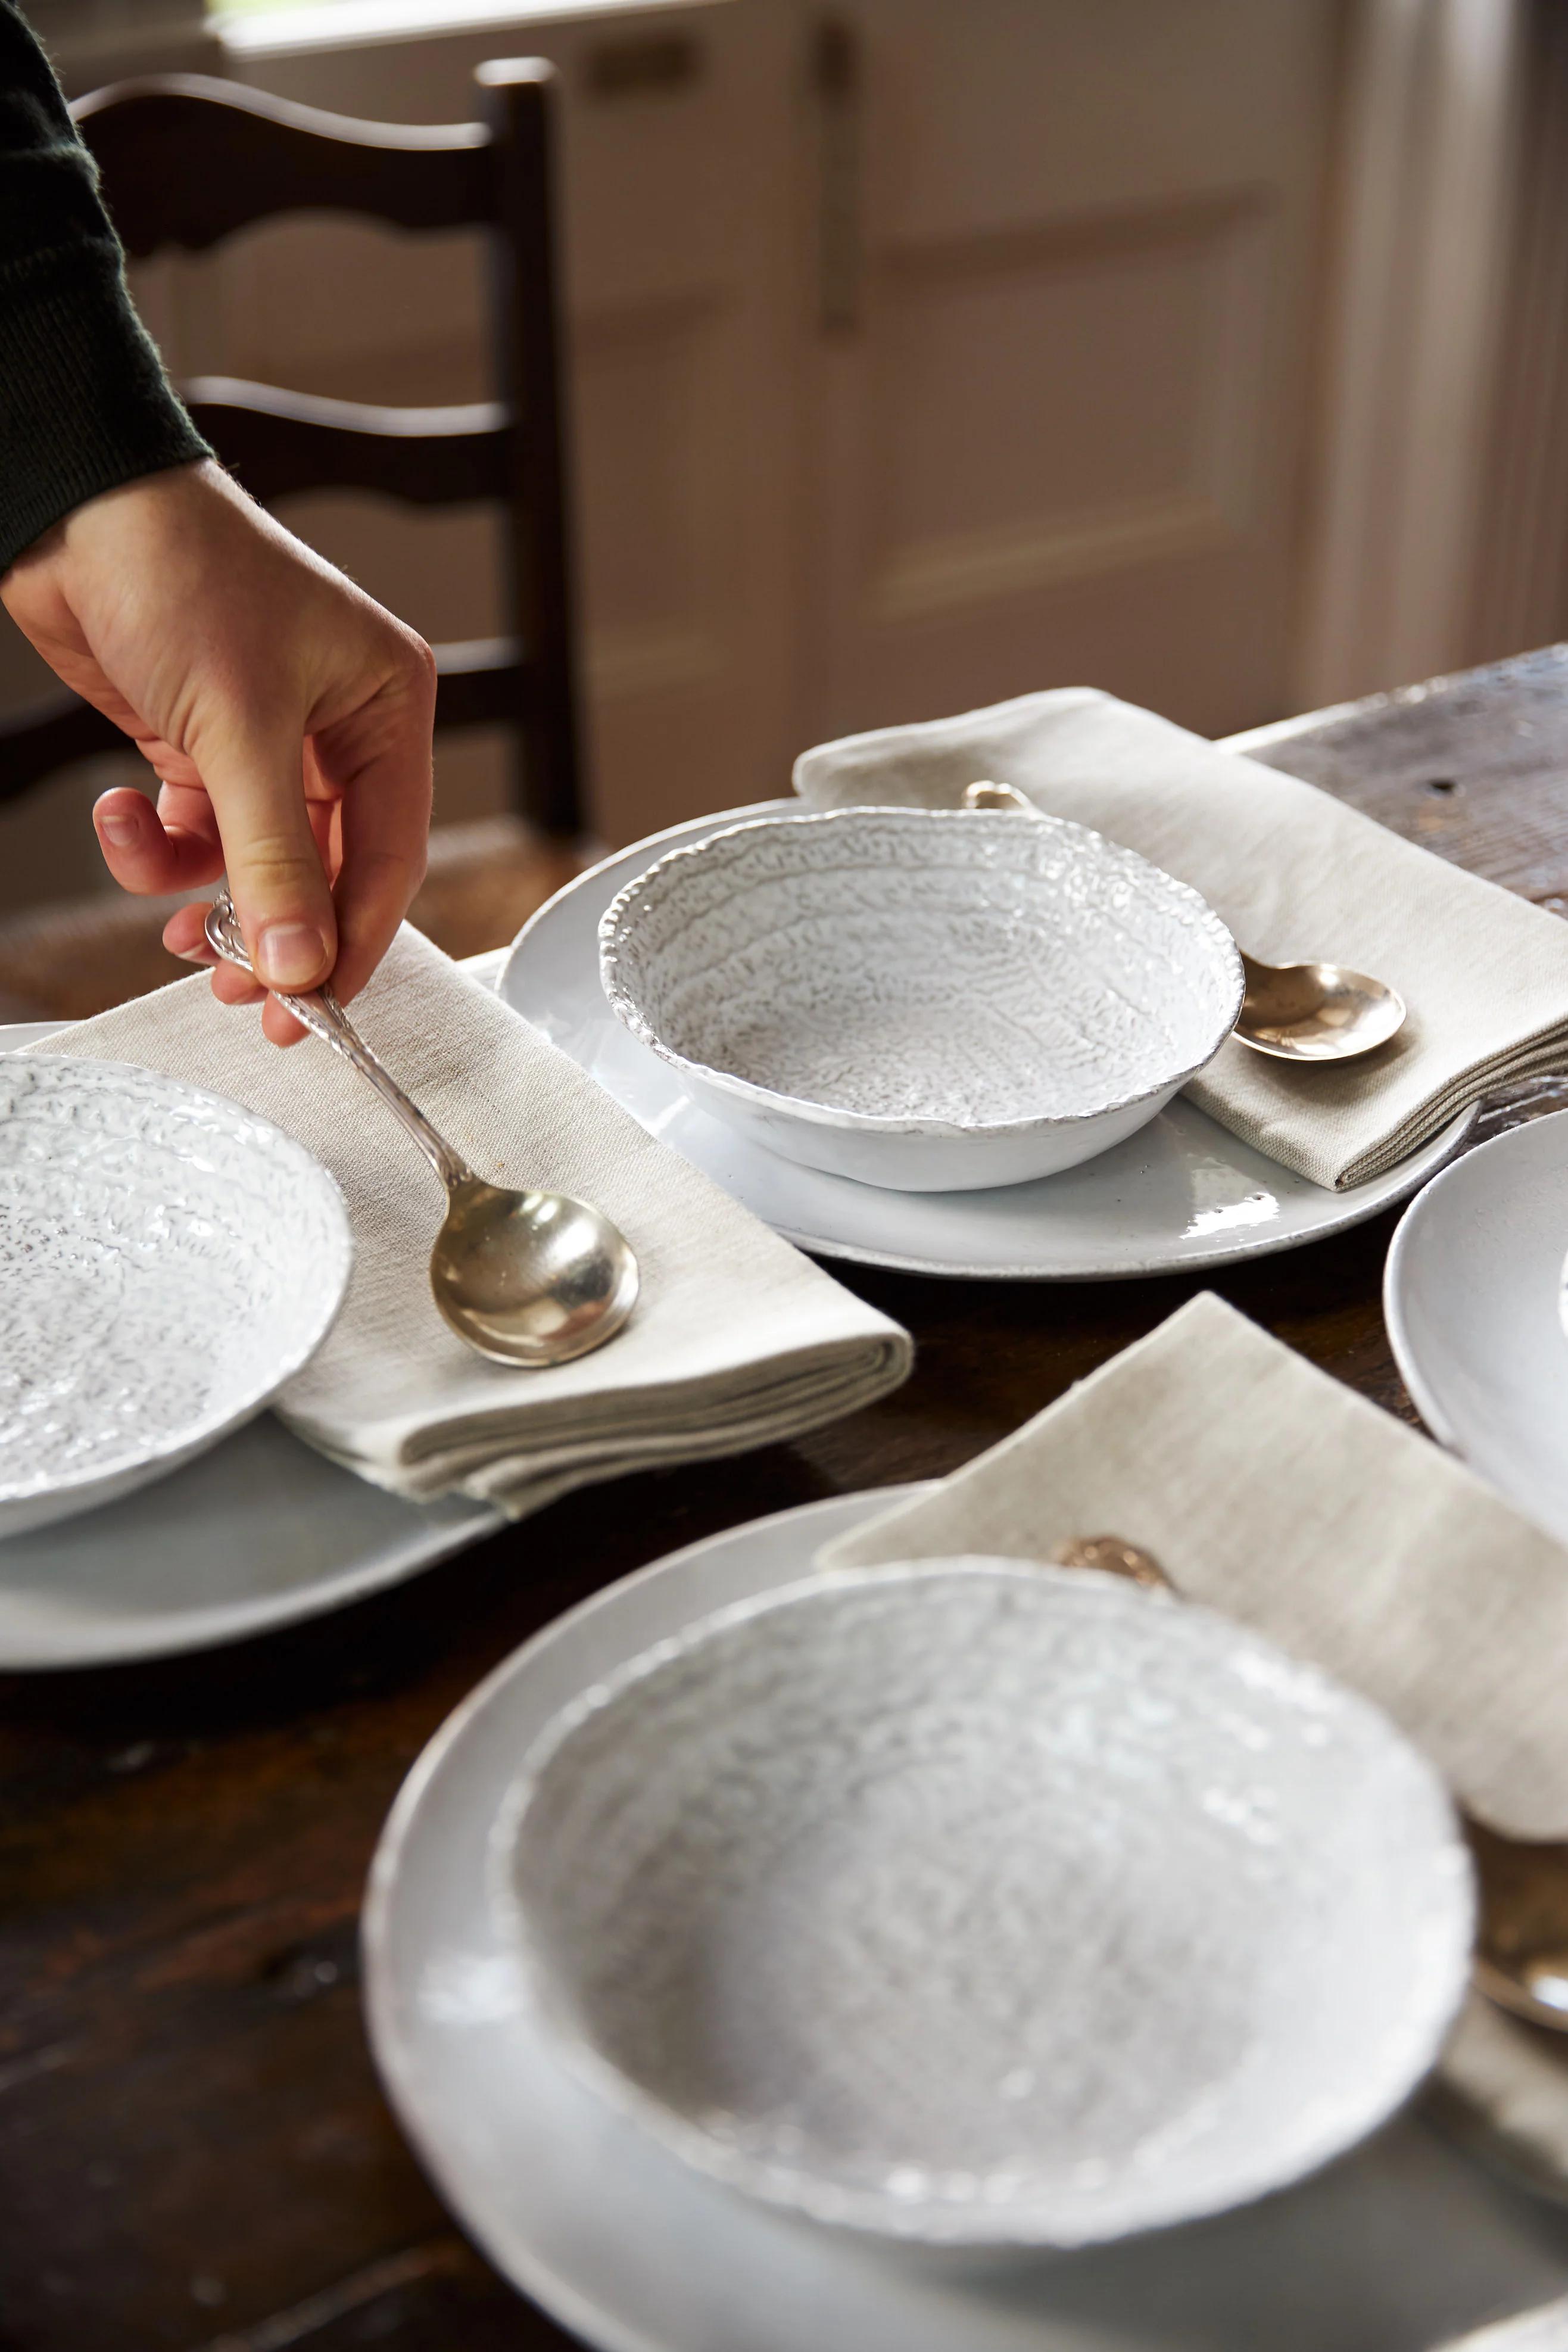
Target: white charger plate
x=1470 y=1298
x=1179 y=1195
x=255 y=1534
x=634 y=2252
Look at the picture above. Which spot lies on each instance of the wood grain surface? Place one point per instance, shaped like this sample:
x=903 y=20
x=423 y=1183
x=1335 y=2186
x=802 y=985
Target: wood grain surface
x=194 y=2149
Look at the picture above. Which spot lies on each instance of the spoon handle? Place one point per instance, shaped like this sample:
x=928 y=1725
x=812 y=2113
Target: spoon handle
x=325 y=1018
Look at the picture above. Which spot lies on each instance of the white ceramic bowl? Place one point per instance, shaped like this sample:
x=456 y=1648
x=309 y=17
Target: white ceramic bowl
x=984 y=1905
x=168 y=1260
x=930 y=999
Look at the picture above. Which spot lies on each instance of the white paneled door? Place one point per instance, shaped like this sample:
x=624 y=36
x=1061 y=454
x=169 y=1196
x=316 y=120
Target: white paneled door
x=1059 y=387
x=924 y=351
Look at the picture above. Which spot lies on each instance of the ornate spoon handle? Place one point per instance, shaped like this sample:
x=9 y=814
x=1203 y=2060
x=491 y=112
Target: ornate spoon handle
x=325 y=1018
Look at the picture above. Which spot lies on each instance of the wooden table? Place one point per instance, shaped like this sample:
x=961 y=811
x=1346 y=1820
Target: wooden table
x=194 y=2149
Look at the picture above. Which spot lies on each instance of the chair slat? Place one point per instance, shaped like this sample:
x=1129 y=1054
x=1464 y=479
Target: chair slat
x=51 y=735
x=187 y=159
x=484 y=682
x=281 y=441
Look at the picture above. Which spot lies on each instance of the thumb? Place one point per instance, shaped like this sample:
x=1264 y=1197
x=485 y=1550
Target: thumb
x=257 y=785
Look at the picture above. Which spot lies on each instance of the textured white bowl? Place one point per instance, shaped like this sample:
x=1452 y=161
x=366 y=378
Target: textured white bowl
x=980 y=1904
x=931 y=999
x=168 y=1260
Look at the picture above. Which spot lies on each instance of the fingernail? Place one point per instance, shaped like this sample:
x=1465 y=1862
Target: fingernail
x=121 y=830
x=194 y=955
x=290 y=955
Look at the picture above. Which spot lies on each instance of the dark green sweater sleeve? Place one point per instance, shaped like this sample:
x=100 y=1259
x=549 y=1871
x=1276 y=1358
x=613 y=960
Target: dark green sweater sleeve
x=83 y=402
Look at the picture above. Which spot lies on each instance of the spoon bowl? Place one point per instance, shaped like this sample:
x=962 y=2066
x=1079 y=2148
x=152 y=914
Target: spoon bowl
x=1295 y=1012
x=531 y=1278
x=1315 y=1012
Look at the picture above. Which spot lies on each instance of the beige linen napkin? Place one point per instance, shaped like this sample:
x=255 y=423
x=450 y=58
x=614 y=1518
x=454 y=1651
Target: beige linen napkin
x=1280 y=1497
x=736 y=1341
x=1296 y=877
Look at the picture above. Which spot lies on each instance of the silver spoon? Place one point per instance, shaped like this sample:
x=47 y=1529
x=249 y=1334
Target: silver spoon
x=1521 y=1910
x=1315 y=1012
x=1297 y=1012
x=524 y=1277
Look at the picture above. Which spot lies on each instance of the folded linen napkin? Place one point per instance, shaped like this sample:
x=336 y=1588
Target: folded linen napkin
x=1272 y=1493
x=737 y=1340
x=1296 y=877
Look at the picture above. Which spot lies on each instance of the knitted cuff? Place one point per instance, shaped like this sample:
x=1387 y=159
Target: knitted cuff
x=83 y=402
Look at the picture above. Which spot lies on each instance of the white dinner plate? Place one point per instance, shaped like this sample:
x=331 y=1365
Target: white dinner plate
x=1389 y=2250
x=257 y=1533
x=1470 y=1298
x=1179 y=1195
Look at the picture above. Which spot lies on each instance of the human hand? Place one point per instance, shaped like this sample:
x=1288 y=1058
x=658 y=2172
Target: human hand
x=286 y=715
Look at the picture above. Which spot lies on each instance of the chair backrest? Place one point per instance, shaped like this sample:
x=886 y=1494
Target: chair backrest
x=187 y=160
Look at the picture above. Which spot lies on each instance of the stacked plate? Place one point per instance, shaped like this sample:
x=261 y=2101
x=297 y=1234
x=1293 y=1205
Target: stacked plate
x=754 y=1947
x=877 y=1897
x=830 y=1015
x=928 y=1000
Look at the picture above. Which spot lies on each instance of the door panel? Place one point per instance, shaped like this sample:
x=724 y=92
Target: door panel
x=1113 y=363
x=1058 y=427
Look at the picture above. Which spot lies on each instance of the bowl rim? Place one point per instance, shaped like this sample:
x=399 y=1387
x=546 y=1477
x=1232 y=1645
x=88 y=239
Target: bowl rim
x=1379 y=2090
x=628 y=1011
x=205 y=1429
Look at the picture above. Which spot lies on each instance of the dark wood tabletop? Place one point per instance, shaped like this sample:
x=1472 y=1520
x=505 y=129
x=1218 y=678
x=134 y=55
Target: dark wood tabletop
x=194 y=2152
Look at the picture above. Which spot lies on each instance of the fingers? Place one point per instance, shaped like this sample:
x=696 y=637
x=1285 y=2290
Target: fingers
x=381 y=759
x=145 y=854
x=286 y=715
x=185 y=935
x=255 y=781
x=279 y=1026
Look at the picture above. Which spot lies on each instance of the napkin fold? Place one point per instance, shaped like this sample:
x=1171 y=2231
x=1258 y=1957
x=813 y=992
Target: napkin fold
x=736 y=1341
x=1276 y=1496
x=1296 y=877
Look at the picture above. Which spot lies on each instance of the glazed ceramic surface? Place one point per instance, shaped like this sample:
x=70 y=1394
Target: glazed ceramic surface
x=926 y=1000
x=1180 y=1195
x=167 y=1262
x=979 y=1903
x=1530 y=2331
x=1471 y=1296
x=634 y=2251
x=256 y=1532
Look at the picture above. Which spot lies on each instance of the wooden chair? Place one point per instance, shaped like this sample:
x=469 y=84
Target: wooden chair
x=186 y=161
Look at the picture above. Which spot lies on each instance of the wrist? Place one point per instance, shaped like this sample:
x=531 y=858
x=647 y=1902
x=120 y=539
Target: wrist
x=170 y=489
